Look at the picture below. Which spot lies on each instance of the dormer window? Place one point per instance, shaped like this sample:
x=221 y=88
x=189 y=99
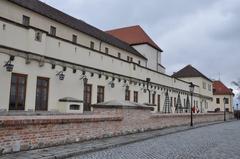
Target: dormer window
x=74 y=38
x=26 y=20
x=92 y=45
x=53 y=31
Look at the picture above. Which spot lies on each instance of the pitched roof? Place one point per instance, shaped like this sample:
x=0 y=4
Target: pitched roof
x=189 y=71
x=220 y=89
x=133 y=35
x=56 y=15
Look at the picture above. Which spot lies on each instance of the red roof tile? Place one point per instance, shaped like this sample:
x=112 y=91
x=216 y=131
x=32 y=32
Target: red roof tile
x=220 y=89
x=133 y=35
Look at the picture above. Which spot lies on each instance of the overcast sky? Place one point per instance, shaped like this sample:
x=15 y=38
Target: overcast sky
x=204 y=33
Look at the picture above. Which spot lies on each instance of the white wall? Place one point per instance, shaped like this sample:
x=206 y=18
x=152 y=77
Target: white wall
x=221 y=104
x=14 y=12
x=153 y=56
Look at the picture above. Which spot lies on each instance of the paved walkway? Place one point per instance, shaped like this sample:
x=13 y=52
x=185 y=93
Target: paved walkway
x=219 y=141
x=96 y=145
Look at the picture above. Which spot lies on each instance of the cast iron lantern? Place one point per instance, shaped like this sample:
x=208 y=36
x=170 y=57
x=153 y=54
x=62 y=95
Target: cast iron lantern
x=9 y=66
x=61 y=75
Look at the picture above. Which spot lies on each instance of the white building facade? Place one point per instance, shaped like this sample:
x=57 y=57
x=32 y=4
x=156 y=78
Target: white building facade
x=52 y=55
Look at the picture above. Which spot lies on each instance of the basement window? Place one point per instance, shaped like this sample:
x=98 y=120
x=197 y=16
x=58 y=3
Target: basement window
x=74 y=107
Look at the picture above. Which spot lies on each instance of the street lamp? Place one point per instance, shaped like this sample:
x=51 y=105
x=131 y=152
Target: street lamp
x=224 y=102
x=149 y=91
x=191 y=88
x=237 y=112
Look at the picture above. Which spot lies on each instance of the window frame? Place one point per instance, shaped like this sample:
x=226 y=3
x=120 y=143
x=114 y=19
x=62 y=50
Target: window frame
x=74 y=38
x=106 y=50
x=53 y=31
x=92 y=45
x=18 y=75
x=47 y=87
x=100 y=94
x=127 y=95
x=135 y=96
x=25 y=20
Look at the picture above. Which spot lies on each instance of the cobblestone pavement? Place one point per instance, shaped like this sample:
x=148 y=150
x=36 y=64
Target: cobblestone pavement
x=219 y=141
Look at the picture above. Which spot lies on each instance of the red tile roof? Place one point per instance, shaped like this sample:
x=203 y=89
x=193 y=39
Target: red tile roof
x=133 y=35
x=220 y=89
x=189 y=71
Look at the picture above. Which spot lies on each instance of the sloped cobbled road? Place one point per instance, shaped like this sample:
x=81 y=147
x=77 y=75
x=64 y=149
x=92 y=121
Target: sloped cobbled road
x=221 y=141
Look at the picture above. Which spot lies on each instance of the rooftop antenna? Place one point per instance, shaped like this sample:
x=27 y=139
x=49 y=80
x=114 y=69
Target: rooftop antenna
x=219 y=75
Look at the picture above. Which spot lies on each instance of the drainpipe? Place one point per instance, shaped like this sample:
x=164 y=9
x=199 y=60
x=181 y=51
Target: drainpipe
x=100 y=46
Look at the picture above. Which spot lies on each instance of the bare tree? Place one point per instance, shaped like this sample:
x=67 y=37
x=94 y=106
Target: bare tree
x=237 y=84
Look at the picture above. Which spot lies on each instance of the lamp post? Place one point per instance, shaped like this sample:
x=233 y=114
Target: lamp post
x=237 y=112
x=224 y=102
x=191 y=88
x=149 y=92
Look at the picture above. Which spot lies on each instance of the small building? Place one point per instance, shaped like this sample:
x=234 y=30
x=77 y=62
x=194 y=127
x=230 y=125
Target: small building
x=191 y=74
x=221 y=93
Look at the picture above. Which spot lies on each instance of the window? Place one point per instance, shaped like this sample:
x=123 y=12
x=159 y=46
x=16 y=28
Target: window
x=218 y=100
x=131 y=59
x=209 y=87
x=171 y=101
x=159 y=103
x=119 y=55
x=175 y=102
x=42 y=94
x=26 y=20
x=100 y=94
x=226 y=101
x=52 y=31
x=127 y=95
x=139 y=62
x=38 y=36
x=135 y=95
x=128 y=58
x=74 y=38
x=134 y=67
x=106 y=50
x=74 y=107
x=92 y=45
x=153 y=98
x=204 y=85
x=87 y=97
x=18 y=92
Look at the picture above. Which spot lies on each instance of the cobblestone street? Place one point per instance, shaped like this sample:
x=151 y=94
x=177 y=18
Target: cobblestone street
x=219 y=141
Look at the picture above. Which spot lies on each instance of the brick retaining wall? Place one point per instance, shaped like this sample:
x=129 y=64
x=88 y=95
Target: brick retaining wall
x=31 y=132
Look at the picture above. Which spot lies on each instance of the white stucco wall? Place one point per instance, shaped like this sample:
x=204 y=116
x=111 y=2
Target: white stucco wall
x=153 y=56
x=14 y=12
x=221 y=104
x=22 y=40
